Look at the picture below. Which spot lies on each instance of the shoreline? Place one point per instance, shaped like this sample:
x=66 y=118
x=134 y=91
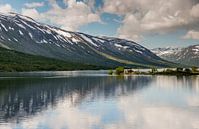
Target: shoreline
x=155 y=71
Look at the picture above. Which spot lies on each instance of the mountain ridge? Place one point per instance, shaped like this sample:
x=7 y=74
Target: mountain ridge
x=187 y=55
x=24 y=34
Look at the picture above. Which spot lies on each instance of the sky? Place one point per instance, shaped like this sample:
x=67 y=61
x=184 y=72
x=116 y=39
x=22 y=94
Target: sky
x=151 y=23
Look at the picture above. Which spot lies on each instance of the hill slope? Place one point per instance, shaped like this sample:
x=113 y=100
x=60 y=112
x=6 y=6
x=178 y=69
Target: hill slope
x=16 y=61
x=24 y=34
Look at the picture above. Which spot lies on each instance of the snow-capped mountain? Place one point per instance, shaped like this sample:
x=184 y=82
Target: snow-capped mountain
x=166 y=51
x=187 y=56
x=26 y=35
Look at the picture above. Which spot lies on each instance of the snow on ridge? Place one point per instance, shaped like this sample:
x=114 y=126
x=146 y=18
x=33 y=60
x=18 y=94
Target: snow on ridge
x=166 y=51
x=10 y=28
x=48 y=31
x=75 y=40
x=26 y=18
x=44 y=41
x=195 y=50
x=55 y=37
x=88 y=40
x=20 y=25
x=2 y=37
x=30 y=35
x=63 y=33
x=28 y=25
x=7 y=14
x=121 y=46
x=118 y=45
x=15 y=39
x=98 y=39
x=21 y=33
x=41 y=30
x=4 y=27
x=57 y=45
x=138 y=51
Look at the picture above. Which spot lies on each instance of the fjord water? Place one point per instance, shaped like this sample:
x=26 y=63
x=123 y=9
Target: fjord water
x=94 y=100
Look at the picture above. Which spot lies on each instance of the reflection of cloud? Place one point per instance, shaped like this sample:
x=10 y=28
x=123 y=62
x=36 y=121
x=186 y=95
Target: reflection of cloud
x=193 y=101
x=140 y=115
x=60 y=118
x=171 y=82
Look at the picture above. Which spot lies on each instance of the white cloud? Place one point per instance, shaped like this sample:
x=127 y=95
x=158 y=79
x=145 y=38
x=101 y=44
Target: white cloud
x=34 y=4
x=140 y=16
x=71 y=18
x=192 y=34
x=6 y=8
x=128 y=31
x=195 y=11
x=152 y=16
x=76 y=14
x=33 y=13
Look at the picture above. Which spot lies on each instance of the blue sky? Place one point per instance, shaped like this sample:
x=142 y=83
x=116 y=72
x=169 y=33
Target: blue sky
x=152 y=23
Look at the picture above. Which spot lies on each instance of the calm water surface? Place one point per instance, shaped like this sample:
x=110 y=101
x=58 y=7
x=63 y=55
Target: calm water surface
x=94 y=100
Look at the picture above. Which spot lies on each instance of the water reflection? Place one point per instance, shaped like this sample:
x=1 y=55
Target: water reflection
x=82 y=102
x=23 y=97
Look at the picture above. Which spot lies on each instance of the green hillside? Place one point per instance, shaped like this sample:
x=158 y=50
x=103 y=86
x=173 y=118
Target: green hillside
x=16 y=61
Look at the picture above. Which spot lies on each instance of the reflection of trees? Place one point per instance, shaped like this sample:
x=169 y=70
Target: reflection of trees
x=186 y=82
x=191 y=82
x=24 y=97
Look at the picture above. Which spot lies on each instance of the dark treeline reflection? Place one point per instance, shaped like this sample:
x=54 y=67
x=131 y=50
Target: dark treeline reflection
x=24 y=97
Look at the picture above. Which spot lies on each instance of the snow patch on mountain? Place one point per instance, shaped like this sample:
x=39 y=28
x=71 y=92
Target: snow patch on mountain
x=120 y=46
x=20 y=25
x=166 y=51
x=30 y=35
x=21 y=33
x=65 y=34
x=89 y=40
x=4 y=27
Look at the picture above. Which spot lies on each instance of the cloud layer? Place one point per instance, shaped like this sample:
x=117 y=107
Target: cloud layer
x=192 y=34
x=34 y=4
x=140 y=17
x=74 y=15
x=6 y=8
x=153 y=16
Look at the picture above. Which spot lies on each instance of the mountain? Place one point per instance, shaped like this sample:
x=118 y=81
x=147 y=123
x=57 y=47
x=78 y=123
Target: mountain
x=165 y=51
x=187 y=56
x=26 y=35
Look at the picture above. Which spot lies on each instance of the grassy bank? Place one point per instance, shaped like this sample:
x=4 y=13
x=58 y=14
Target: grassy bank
x=16 y=61
x=154 y=71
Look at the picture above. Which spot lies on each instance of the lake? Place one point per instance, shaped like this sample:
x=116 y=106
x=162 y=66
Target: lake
x=95 y=100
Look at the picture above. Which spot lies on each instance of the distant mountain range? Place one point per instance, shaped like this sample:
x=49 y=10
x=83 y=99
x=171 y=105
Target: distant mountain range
x=187 y=56
x=23 y=34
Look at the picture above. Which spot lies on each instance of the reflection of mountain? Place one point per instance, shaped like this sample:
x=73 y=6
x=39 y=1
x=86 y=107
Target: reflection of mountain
x=24 y=97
